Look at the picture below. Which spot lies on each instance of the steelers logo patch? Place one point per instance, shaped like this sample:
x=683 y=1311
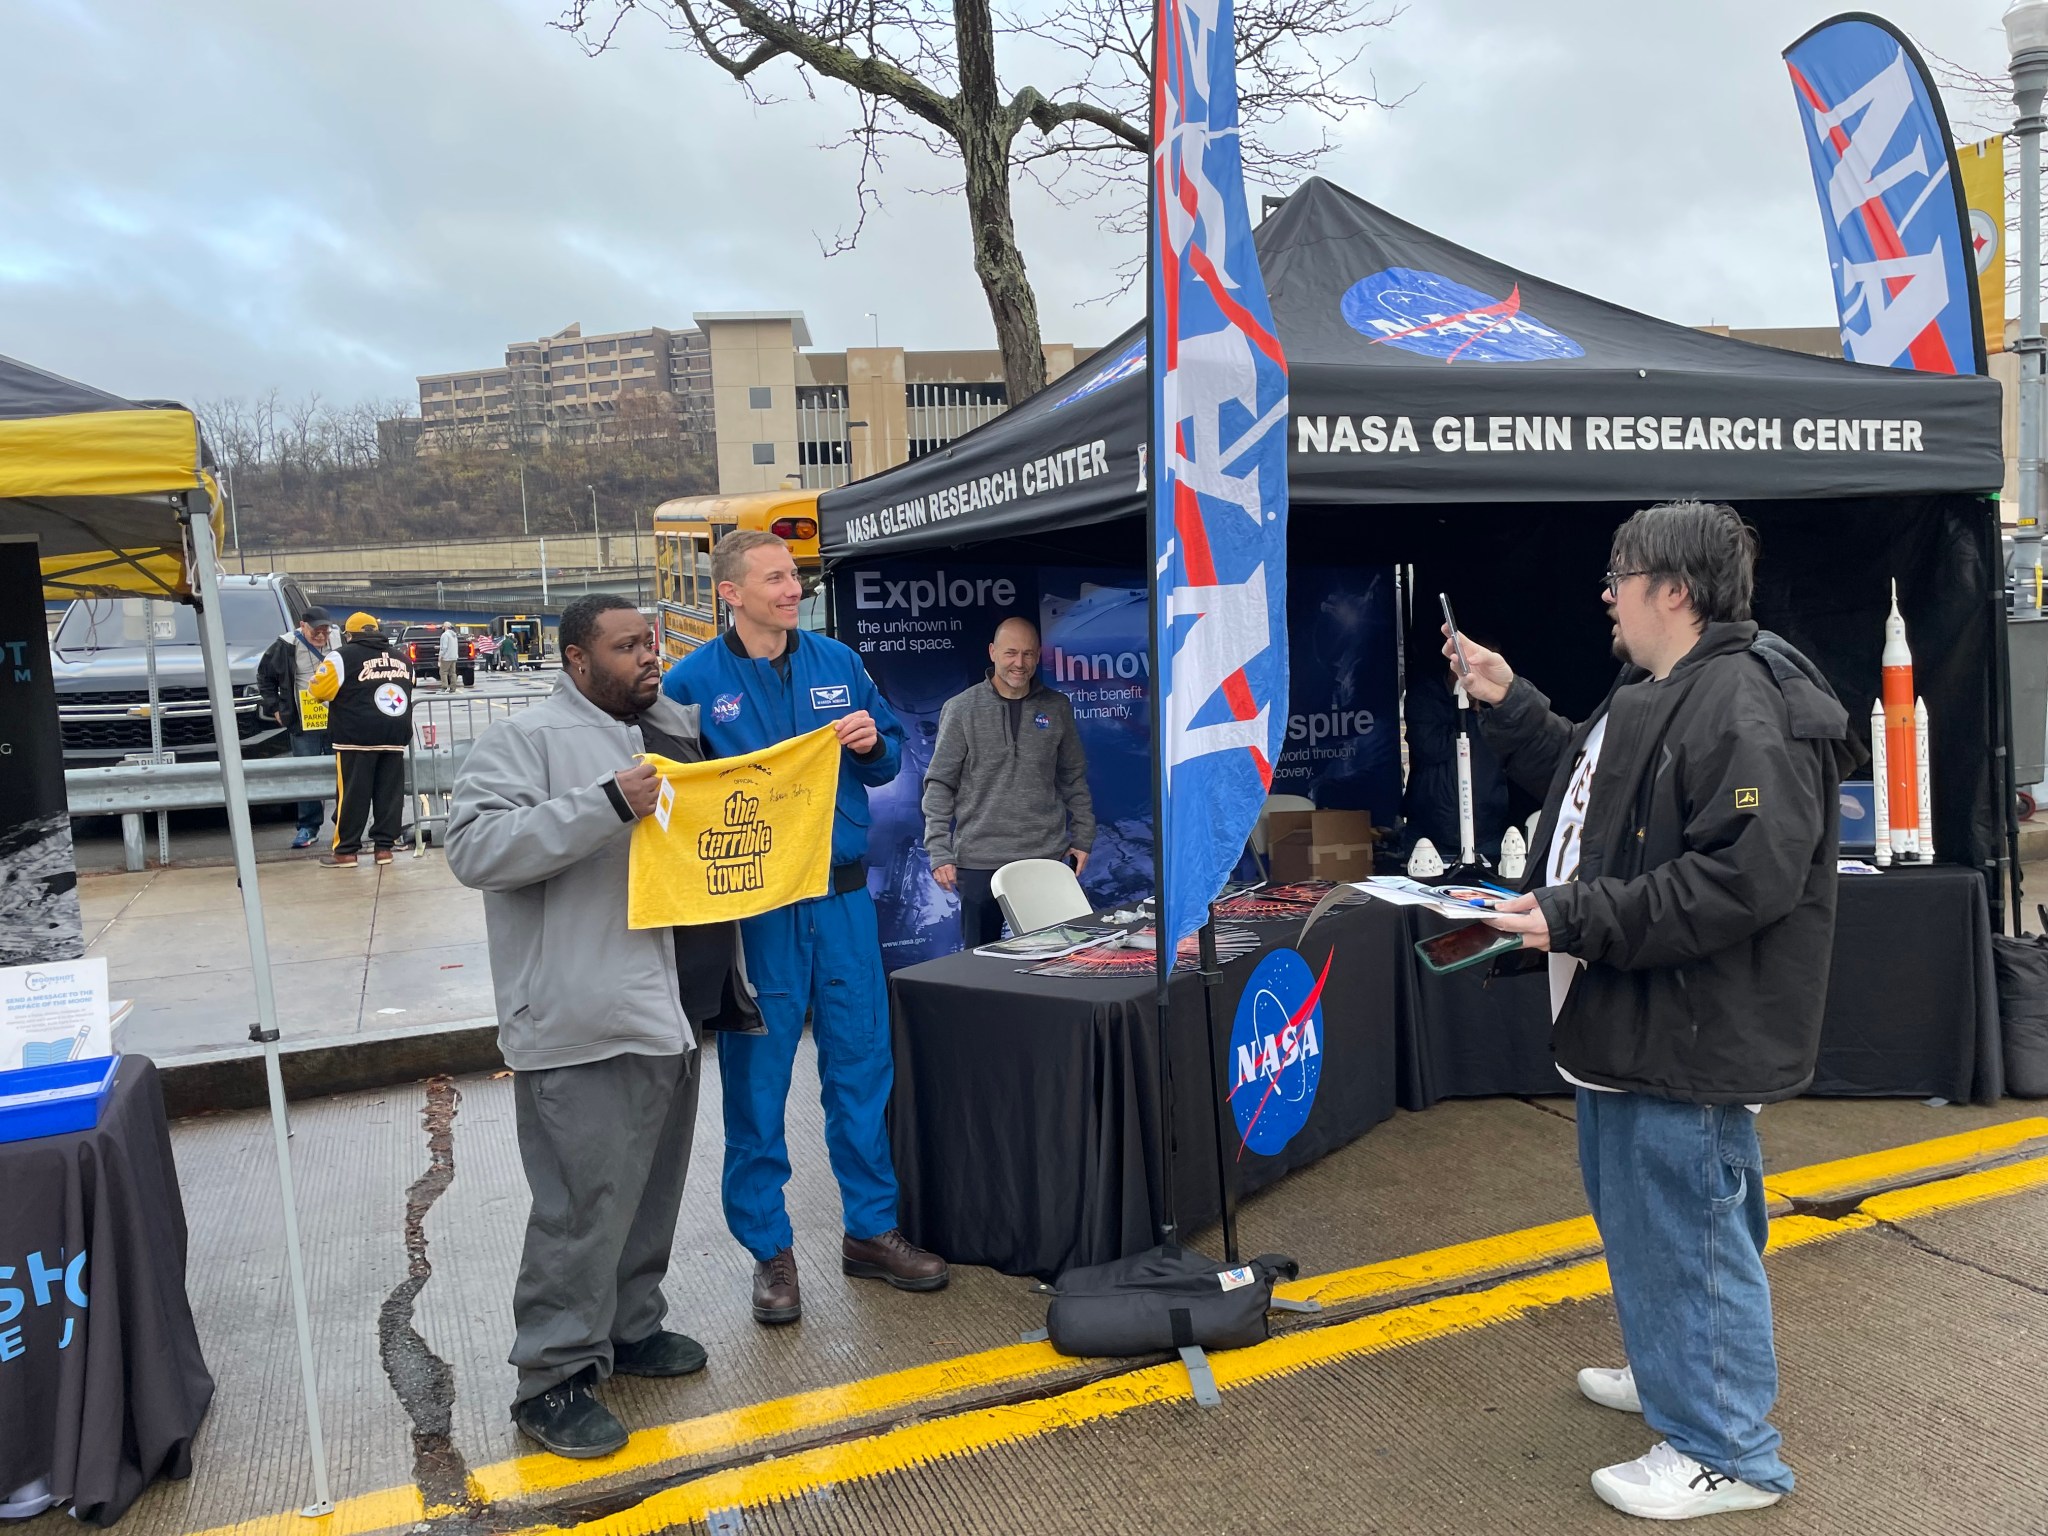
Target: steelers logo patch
x=391 y=699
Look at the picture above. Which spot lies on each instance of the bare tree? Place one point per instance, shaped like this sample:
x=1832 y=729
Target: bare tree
x=926 y=70
x=1981 y=108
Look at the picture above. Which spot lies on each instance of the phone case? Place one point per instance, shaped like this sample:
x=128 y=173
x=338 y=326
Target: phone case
x=1509 y=943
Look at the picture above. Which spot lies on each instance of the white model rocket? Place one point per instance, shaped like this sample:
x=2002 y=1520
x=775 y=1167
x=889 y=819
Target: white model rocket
x=1926 y=797
x=1468 y=836
x=1880 y=810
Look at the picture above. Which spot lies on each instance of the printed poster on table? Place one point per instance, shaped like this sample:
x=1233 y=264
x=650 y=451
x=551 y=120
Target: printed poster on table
x=54 y=1012
x=735 y=836
x=39 y=917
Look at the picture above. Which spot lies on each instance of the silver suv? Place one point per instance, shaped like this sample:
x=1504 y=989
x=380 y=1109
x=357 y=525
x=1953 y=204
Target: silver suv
x=102 y=672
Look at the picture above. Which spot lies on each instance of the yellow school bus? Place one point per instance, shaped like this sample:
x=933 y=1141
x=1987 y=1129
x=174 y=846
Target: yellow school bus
x=685 y=531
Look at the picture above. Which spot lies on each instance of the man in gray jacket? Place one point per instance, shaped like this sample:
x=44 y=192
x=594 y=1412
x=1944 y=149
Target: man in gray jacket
x=591 y=1019
x=1008 y=781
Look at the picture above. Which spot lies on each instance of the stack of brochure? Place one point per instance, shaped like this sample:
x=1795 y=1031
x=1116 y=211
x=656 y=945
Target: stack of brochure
x=1049 y=943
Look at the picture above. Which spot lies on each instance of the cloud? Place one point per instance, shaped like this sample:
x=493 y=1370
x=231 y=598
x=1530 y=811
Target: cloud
x=236 y=193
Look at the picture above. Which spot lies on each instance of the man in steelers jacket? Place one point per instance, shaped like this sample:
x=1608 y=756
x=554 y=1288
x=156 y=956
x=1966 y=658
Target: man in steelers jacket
x=368 y=690
x=763 y=681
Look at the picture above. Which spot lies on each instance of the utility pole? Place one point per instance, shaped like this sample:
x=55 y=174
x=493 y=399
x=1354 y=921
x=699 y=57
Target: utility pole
x=596 y=532
x=525 y=527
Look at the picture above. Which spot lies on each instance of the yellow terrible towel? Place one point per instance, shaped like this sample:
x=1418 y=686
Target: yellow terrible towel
x=735 y=836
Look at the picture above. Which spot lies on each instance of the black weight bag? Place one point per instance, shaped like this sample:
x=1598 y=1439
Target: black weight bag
x=1162 y=1300
x=2022 y=967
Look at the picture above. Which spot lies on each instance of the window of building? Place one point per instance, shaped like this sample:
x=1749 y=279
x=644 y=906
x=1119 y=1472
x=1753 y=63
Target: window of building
x=764 y=453
x=573 y=350
x=760 y=398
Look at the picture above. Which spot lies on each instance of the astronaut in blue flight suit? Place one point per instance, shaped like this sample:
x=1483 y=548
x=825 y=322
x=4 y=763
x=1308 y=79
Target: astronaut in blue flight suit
x=763 y=681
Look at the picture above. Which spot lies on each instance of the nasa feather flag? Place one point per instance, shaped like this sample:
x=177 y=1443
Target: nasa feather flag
x=1891 y=198
x=1219 y=444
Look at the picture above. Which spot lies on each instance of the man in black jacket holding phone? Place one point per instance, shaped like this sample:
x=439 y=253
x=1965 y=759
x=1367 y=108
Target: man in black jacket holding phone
x=1683 y=883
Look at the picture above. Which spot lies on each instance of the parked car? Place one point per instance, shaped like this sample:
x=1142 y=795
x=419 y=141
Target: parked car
x=100 y=657
x=420 y=645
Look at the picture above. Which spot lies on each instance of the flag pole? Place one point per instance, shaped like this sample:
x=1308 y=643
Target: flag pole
x=1162 y=941
x=1212 y=978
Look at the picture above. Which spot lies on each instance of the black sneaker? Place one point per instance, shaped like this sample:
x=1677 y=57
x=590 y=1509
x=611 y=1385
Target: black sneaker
x=661 y=1353
x=569 y=1420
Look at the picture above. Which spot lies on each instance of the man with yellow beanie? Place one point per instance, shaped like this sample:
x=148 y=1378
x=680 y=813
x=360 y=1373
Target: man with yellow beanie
x=369 y=721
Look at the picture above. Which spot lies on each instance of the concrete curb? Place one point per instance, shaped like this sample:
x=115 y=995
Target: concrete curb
x=233 y=1078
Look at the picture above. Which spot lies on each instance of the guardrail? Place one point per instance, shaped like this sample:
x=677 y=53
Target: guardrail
x=444 y=728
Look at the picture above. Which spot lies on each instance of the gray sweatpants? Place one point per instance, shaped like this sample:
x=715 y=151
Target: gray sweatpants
x=606 y=1146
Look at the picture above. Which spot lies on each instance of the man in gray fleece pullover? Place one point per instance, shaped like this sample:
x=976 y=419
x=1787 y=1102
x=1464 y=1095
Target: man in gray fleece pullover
x=1008 y=781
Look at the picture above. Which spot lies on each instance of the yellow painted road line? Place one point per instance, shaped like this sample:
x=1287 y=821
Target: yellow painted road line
x=785 y=1477
x=734 y=1430
x=1920 y=1159
x=1967 y=1189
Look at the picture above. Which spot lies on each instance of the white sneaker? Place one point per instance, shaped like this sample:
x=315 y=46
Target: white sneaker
x=1611 y=1388
x=1669 y=1485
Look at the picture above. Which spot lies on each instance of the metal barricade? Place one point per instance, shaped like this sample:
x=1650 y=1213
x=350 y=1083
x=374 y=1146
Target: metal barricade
x=444 y=726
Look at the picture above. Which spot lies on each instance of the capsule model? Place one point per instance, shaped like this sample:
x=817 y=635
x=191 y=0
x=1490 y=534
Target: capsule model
x=1880 y=810
x=1901 y=744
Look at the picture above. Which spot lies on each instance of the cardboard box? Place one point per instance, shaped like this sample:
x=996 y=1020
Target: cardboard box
x=1319 y=845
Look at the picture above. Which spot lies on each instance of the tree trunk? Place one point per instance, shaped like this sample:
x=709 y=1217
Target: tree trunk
x=985 y=155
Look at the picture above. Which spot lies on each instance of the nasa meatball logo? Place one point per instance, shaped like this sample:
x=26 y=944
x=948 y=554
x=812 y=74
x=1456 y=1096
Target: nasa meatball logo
x=1042 y=720
x=725 y=708
x=390 y=698
x=1276 y=1050
x=1426 y=313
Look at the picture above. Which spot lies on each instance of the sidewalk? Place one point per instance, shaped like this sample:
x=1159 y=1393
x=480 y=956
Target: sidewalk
x=352 y=952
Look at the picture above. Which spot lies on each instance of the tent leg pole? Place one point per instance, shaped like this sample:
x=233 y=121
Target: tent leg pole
x=220 y=690
x=1212 y=978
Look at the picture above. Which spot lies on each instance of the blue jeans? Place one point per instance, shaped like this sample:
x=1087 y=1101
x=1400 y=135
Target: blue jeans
x=1677 y=1191
x=311 y=812
x=823 y=957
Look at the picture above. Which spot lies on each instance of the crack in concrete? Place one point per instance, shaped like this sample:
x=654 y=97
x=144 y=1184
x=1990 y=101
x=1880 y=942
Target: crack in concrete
x=423 y=1382
x=1932 y=1251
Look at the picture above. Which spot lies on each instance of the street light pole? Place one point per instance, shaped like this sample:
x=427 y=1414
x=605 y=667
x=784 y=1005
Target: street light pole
x=596 y=532
x=878 y=325
x=525 y=527
x=2026 y=31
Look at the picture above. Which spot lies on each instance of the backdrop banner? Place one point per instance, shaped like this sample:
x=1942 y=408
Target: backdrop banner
x=923 y=629
x=38 y=880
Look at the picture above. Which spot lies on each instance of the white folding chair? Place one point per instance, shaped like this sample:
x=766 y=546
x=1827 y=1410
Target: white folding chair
x=1036 y=893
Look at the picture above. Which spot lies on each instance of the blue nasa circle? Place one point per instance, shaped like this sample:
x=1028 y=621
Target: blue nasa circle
x=1276 y=1052
x=1426 y=313
x=725 y=708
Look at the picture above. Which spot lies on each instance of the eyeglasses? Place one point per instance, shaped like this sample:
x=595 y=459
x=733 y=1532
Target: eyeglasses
x=1614 y=579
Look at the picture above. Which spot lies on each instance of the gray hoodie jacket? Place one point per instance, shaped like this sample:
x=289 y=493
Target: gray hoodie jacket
x=990 y=797
x=536 y=829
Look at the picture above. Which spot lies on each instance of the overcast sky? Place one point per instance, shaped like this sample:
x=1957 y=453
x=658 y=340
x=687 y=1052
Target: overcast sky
x=226 y=195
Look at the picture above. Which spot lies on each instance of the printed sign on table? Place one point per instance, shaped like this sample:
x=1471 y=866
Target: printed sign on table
x=54 y=1012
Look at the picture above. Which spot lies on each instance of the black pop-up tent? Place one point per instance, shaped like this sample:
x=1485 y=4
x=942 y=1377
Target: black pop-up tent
x=1489 y=429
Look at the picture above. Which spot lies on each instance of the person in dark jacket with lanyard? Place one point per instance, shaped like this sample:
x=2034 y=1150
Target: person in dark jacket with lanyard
x=763 y=681
x=283 y=677
x=368 y=691
x=1683 y=883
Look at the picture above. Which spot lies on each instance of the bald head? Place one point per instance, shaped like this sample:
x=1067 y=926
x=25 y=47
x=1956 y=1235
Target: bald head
x=1013 y=658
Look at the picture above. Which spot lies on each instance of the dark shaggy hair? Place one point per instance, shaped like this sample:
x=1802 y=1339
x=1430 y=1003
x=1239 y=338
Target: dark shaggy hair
x=579 y=619
x=1703 y=546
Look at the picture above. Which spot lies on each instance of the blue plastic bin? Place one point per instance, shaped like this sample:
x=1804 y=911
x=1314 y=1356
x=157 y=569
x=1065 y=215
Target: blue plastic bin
x=23 y=1118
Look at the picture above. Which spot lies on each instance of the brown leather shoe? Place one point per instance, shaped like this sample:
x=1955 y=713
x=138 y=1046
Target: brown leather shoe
x=776 y=1298
x=894 y=1258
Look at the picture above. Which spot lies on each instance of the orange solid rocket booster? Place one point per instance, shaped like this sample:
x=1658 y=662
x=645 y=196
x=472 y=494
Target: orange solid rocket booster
x=1902 y=756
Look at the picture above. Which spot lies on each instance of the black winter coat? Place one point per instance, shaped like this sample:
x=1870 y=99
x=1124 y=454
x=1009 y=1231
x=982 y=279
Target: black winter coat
x=1704 y=905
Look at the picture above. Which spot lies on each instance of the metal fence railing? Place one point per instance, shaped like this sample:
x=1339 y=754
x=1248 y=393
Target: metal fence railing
x=443 y=728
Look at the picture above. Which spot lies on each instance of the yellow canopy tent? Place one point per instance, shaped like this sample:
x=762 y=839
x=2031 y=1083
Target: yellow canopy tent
x=121 y=498
x=101 y=482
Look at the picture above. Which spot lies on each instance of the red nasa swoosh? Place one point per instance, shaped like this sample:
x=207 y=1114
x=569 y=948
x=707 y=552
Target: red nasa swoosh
x=1308 y=1007
x=1495 y=314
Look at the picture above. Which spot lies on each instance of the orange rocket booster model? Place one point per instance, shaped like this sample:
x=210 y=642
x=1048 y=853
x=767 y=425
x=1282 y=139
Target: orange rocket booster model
x=1901 y=741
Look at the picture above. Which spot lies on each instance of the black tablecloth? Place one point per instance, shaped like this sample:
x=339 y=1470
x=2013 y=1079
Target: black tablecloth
x=104 y=1397
x=1026 y=1122
x=1912 y=1004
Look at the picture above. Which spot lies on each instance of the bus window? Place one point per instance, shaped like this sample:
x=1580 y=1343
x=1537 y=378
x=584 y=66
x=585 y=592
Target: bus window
x=707 y=592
